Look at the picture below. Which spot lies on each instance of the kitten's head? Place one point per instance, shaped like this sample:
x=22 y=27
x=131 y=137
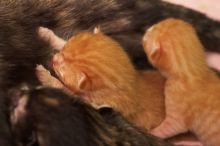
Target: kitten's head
x=93 y=61
x=172 y=45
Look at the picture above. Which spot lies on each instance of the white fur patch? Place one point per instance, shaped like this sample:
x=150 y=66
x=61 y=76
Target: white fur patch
x=96 y=30
x=155 y=47
x=96 y=106
x=19 y=111
x=150 y=29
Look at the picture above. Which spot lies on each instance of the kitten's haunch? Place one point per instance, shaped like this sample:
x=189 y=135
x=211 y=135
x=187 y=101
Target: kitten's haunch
x=192 y=88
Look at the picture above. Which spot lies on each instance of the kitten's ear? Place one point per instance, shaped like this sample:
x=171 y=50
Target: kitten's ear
x=155 y=50
x=82 y=80
x=97 y=30
x=151 y=46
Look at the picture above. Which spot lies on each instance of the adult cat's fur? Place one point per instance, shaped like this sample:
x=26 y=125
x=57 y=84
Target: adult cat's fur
x=59 y=120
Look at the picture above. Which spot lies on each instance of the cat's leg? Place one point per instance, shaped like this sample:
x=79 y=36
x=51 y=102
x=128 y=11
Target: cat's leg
x=48 y=36
x=46 y=78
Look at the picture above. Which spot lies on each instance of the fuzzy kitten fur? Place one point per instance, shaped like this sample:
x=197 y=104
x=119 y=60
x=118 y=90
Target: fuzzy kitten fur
x=96 y=68
x=191 y=89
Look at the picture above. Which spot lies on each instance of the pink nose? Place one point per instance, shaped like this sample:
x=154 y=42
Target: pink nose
x=57 y=59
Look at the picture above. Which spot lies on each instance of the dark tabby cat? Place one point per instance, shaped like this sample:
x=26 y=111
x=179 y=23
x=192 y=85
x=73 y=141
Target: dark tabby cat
x=55 y=119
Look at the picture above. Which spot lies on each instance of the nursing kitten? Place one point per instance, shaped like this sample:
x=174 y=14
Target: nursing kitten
x=49 y=117
x=95 y=67
x=191 y=89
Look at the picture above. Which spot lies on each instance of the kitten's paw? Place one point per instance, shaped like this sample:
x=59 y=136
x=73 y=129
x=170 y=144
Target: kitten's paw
x=43 y=75
x=45 y=33
x=46 y=78
x=49 y=36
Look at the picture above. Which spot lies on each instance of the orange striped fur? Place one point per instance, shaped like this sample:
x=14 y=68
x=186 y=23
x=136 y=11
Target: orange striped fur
x=96 y=67
x=192 y=97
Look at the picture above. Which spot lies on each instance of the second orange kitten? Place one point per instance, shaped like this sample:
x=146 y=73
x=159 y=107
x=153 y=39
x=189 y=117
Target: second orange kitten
x=192 y=97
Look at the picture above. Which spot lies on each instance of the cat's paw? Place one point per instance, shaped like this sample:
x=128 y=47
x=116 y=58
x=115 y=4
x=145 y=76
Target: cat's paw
x=50 y=37
x=45 y=33
x=44 y=75
x=46 y=78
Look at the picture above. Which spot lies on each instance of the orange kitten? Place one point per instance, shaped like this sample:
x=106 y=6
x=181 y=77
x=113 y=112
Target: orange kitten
x=192 y=97
x=95 y=67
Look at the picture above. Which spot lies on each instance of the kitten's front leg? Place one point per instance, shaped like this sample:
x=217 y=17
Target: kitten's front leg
x=48 y=36
x=46 y=78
